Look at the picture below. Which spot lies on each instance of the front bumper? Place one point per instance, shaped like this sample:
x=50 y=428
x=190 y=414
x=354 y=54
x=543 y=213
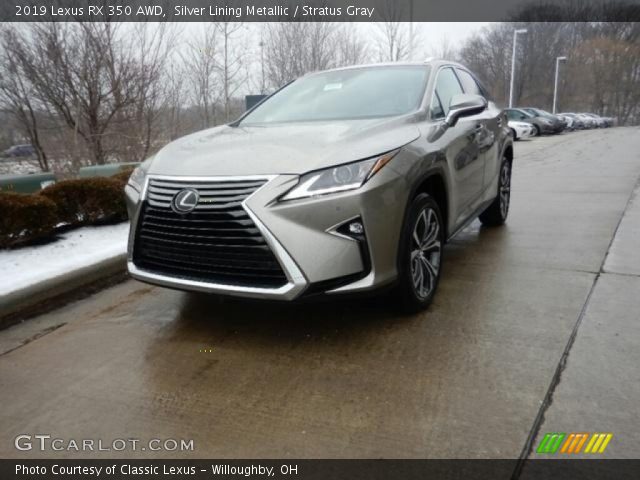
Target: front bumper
x=523 y=132
x=548 y=129
x=302 y=235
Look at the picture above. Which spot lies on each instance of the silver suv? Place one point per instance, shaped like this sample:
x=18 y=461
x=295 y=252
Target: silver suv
x=343 y=181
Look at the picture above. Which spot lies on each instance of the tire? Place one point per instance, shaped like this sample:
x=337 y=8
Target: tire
x=420 y=254
x=496 y=213
x=536 y=131
x=513 y=134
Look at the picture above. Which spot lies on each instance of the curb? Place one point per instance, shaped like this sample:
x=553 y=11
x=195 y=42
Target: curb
x=15 y=306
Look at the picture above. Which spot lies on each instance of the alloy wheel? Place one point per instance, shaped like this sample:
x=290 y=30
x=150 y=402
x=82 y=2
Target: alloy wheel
x=426 y=251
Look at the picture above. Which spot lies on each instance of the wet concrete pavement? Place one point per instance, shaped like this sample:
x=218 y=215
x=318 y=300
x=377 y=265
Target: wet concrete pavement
x=475 y=376
x=599 y=387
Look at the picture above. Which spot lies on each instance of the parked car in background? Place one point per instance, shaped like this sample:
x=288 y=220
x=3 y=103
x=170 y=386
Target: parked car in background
x=570 y=122
x=588 y=121
x=344 y=181
x=599 y=121
x=558 y=123
x=541 y=126
x=520 y=130
x=20 y=151
x=578 y=122
x=610 y=121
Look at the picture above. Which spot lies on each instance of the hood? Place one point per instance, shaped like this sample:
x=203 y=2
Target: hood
x=281 y=148
x=544 y=120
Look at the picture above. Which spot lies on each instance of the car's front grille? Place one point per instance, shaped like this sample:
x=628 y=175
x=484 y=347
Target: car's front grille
x=217 y=242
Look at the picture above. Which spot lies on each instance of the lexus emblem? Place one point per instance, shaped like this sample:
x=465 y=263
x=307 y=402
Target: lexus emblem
x=185 y=200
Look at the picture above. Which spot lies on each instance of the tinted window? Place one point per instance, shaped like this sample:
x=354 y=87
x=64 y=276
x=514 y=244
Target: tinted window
x=447 y=85
x=436 y=107
x=514 y=115
x=345 y=94
x=469 y=83
x=520 y=114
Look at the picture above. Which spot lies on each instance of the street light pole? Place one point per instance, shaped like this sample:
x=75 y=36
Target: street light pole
x=555 y=88
x=513 y=62
x=410 y=30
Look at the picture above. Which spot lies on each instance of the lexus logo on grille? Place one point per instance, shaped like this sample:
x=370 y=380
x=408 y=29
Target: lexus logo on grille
x=185 y=200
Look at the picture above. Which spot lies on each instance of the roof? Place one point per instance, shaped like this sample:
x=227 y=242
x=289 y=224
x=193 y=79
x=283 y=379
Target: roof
x=428 y=62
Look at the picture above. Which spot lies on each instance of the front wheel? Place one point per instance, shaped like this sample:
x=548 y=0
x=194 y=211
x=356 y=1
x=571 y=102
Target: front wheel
x=496 y=213
x=420 y=258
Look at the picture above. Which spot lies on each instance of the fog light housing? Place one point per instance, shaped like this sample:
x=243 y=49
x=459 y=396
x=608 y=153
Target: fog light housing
x=352 y=228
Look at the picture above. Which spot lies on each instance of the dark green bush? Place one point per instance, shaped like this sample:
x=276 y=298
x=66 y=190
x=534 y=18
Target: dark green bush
x=25 y=218
x=122 y=177
x=88 y=201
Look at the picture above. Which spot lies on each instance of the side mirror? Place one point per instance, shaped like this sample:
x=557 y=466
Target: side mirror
x=464 y=105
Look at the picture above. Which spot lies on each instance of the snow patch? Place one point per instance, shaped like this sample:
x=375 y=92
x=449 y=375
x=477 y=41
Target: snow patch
x=23 y=267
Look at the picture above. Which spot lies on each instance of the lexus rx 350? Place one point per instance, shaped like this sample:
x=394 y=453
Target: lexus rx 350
x=343 y=181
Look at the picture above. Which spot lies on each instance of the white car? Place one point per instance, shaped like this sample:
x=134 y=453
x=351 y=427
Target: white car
x=521 y=130
x=569 y=121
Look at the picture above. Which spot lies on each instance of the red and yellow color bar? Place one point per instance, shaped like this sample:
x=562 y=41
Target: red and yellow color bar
x=573 y=443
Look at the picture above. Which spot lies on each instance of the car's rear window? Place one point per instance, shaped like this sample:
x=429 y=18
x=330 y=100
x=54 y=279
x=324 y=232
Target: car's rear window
x=345 y=94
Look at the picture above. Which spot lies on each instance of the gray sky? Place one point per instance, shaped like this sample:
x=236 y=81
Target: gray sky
x=430 y=38
x=430 y=34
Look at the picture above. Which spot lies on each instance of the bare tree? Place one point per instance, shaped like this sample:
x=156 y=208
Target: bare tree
x=100 y=83
x=174 y=104
x=602 y=73
x=17 y=94
x=261 y=84
x=484 y=53
x=296 y=48
x=350 y=46
x=444 y=50
x=232 y=66
x=145 y=54
x=610 y=69
x=396 y=39
x=202 y=71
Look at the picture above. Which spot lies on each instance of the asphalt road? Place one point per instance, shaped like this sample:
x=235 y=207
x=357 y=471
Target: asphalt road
x=534 y=329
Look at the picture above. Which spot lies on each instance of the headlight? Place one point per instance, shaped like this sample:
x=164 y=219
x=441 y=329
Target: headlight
x=338 y=179
x=136 y=180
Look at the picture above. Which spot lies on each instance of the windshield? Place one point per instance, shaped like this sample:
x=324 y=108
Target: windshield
x=345 y=94
x=538 y=112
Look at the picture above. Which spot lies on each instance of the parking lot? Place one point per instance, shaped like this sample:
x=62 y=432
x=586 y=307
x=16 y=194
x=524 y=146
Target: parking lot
x=534 y=329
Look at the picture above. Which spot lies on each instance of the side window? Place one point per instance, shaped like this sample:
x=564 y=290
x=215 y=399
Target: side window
x=447 y=85
x=436 y=107
x=469 y=83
